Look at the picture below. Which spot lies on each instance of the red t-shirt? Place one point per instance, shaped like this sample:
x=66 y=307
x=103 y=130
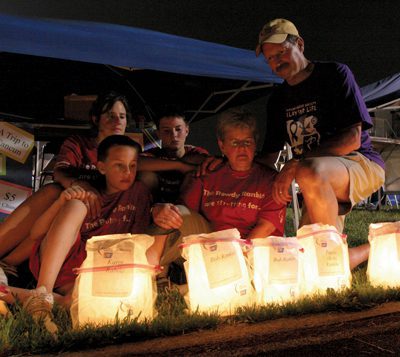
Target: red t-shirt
x=236 y=199
x=79 y=152
x=122 y=212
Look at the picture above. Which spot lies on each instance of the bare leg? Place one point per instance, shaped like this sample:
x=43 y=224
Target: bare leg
x=17 y=226
x=155 y=251
x=59 y=240
x=53 y=251
x=358 y=255
x=20 y=253
x=323 y=181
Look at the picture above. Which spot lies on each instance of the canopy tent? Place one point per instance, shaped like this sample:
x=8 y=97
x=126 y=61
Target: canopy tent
x=43 y=60
x=382 y=93
x=129 y=47
x=383 y=102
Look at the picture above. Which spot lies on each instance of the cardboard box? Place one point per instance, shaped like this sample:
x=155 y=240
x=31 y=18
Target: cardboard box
x=77 y=107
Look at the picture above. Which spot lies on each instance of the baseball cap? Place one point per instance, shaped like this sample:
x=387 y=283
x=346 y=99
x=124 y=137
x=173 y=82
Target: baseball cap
x=275 y=31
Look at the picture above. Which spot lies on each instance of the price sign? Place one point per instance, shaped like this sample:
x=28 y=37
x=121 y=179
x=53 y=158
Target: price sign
x=12 y=195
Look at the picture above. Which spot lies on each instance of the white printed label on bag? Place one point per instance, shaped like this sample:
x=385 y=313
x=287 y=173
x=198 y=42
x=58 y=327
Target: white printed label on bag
x=283 y=266
x=329 y=257
x=222 y=263
x=113 y=282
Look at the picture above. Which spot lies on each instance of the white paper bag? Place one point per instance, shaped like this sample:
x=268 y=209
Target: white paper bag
x=326 y=258
x=115 y=280
x=277 y=264
x=384 y=255
x=217 y=273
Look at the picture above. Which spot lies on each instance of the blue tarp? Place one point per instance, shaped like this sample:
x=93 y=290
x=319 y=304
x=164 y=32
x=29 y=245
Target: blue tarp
x=130 y=47
x=382 y=91
x=118 y=45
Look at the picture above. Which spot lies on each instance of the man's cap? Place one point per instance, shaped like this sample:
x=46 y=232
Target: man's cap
x=275 y=31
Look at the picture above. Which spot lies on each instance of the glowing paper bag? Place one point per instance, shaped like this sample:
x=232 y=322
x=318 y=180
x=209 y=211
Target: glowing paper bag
x=277 y=269
x=384 y=255
x=326 y=258
x=115 y=280
x=216 y=270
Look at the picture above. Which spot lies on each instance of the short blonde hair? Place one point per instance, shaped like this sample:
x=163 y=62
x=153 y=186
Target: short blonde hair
x=236 y=118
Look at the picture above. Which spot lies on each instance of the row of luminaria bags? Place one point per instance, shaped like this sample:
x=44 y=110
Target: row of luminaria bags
x=225 y=272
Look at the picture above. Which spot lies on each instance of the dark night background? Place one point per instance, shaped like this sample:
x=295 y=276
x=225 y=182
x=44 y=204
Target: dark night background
x=364 y=34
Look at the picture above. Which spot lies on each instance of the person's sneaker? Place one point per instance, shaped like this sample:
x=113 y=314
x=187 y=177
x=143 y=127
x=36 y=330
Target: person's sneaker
x=8 y=269
x=39 y=305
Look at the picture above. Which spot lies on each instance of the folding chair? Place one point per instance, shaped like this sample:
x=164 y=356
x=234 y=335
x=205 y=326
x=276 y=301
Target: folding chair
x=44 y=161
x=284 y=156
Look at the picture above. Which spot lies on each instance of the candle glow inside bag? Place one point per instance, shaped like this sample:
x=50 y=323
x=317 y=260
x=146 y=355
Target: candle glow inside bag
x=114 y=280
x=326 y=258
x=384 y=255
x=217 y=273
x=277 y=268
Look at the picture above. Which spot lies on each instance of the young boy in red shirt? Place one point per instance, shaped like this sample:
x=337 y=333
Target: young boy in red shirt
x=61 y=232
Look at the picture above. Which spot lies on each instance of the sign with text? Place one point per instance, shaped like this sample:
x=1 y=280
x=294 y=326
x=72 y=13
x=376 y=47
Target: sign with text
x=12 y=195
x=15 y=142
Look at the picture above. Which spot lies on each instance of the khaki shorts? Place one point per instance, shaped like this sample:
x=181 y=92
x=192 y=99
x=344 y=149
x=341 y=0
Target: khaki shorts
x=365 y=176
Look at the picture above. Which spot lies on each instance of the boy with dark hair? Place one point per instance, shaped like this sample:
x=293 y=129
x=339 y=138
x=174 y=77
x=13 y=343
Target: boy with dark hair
x=62 y=231
x=173 y=159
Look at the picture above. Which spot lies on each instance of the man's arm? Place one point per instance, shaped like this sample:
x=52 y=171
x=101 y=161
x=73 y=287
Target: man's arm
x=342 y=144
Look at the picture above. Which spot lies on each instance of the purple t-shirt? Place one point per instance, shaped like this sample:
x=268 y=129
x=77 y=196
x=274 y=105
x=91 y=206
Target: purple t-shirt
x=316 y=109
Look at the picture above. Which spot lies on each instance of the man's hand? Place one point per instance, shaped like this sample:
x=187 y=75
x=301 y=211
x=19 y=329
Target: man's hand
x=209 y=164
x=282 y=182
x=92 y=198
x=167 y=216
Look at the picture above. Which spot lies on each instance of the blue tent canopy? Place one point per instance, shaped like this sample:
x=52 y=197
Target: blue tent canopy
x=110 y=44
x=129 y=47
x=383 y=91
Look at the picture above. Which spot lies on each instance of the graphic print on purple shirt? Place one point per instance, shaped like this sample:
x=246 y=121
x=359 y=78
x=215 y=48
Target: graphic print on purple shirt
x=317 y=109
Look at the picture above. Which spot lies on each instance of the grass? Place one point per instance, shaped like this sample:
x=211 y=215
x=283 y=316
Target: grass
x=18 y=334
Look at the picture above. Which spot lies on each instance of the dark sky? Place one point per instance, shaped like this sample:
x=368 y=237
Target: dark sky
x=365 y=34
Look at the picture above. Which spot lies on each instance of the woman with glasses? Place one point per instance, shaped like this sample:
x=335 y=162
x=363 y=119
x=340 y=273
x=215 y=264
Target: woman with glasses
x=238 y=193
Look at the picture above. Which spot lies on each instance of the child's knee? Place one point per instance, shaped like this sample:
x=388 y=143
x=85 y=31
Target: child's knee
x=52 y=191
x=74 y=207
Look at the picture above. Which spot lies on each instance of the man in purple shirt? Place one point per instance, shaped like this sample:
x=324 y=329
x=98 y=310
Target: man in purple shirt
x=319 y=112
